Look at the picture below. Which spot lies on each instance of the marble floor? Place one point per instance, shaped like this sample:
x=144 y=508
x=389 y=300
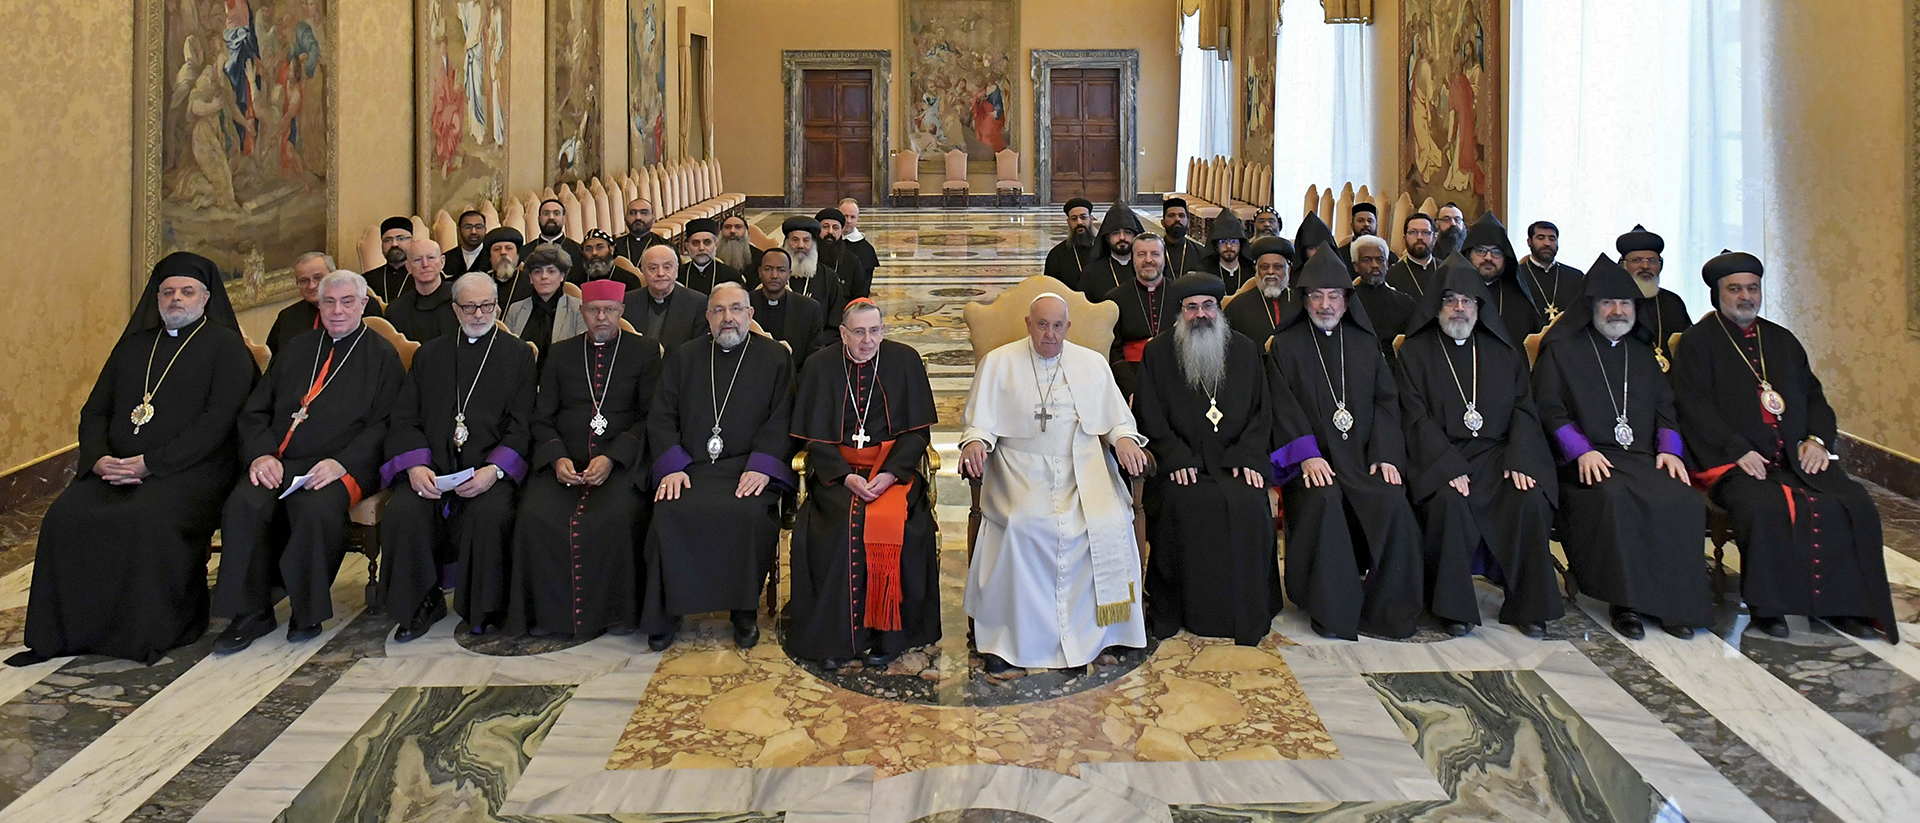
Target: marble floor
x=1579 y=726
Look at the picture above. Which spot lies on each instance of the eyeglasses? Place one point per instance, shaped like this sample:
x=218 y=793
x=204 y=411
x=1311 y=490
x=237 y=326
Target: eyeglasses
x=1458 y=301
x=478 y=308
x=602 y=311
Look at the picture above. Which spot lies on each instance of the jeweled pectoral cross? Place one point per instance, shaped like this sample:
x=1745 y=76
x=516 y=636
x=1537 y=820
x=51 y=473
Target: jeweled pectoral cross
x=860 y=438
x=1041 y=414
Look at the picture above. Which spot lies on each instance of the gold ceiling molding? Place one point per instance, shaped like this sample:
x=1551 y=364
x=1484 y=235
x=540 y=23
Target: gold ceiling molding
x=1348 y=11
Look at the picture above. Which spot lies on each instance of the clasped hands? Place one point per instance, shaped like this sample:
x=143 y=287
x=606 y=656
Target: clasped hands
x=122 y=471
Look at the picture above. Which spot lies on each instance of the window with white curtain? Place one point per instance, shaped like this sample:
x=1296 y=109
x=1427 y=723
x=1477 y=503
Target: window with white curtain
x=1324 y=112
x=1206 y=101
x=1631 y=111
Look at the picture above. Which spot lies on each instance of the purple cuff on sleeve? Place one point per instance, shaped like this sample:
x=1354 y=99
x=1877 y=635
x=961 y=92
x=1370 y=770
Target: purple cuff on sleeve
x=1669 y=442
x=777 y=471
x=676 y=459
x=1572 y=442
x=1287 y=459
x=402 y=462
x=510 y=462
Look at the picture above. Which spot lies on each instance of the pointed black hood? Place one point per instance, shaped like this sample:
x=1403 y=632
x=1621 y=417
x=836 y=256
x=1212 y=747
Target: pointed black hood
x=1459 y=276
x=1312 y=232
x=1325 y=270
x=1225 y=227
x=1489 y=231
x=1117 y=218
x=1605 y=280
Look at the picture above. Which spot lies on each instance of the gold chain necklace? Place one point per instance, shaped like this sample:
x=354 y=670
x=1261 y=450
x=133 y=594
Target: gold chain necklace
x=1771 y=400
x=143 y=413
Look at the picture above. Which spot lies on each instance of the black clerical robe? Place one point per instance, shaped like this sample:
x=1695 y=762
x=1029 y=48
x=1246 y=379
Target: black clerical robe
x=1495 y=529
x=1388 y=308
x=423 y=317
x=1663 y=316
x=1346 y=255
x=458 y=263
x=388 y=281
x=515 y=288
x=1511 y=303
x=709 y=550
x=485 y=386
x=1067 y=261
x=1369 y=581
x=576 y=549
x=298 y=542
x=840 y=608
x=1553 y=288
x=1214 y=569
x=121 y=570
x=618 y=275
x=1633 y=540
x=299 y=317
x=1235 y=278
x=1144 y=313
x=631 y=245
x=1256 y=315
x=1412 y=278
x=702 y=280
x=679 y=317
x=826 y=288
x=1103 y=275
x=863 y=249
x=578 y=272
x=794 y=319
x=1810 y=543
x=1184 y=255
x=856 y=277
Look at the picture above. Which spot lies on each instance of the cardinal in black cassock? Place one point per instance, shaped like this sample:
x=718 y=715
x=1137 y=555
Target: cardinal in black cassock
x=1147 y=308
x=1631 y=527
x=1809 y=536
x=1112 y=260
x=1214 y=569
x=719 y=433
x=120 y=569
x=301 y=316
x=1255 y=311
x=1660 y=311
x=467 y=403
x=702 y=270
x=576 y=541
x=1337 y=412
x=322 y=408
x=1478 y=468
x=1513 y=300
x=866 y=573
x=1069 y=258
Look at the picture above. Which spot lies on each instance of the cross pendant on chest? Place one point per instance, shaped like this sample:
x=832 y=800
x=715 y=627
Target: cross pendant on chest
x=300 y=416
x=860 y=438
x=1041 y=414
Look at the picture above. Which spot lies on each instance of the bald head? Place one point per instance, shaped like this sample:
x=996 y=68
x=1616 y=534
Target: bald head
x=1047 y=324
x=425 y=263
x=640 y=215
x=659 y=270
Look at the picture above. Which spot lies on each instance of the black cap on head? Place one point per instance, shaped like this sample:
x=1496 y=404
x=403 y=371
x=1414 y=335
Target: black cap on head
x=1226 y=227
x=553 y=200
x=601 y=234
x=830 y=213
x=800 y=223
x=503 y=234
x=1639 y=240
x=702 y=224
x=391 y=223
x=1364 y=207
x=1173 y=202
x=1198 y=284
x=1269 y=245
x=1725 y=263
x=1077 y=203
x=1487 y=231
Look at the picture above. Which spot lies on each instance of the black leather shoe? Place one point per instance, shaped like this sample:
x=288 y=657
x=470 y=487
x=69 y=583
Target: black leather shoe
x=26 y=657
x=1324 y=631
x=431 y=610
x=297 y=633
x=1456 y=628
x=660 y=642
x=241 y=633
x=1771 y=626
x=1533 y=630
x=1677 y=630
x=746 y=629
x=995 y=664
x=1627 y=622
x=878 y=660
x=1854 y=626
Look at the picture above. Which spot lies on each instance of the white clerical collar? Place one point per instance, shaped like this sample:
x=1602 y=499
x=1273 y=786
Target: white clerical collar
x=1234 y=267
x=1327 y=332
x=173 y=332
x=1422 y=263
x=553 y=239
x=699 y=268
x=1460 y=341
x=855 y=236
x=1124 y=261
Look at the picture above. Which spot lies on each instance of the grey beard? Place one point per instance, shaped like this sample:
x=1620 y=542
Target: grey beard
x=607 y=337
x=597 y=269
x=1457 y=329
x=185 y=318
x=1273 y=292
x=476 y=330
x=728 y=338
x=805 y=265
x=503 y=272
x=735 y=252
x=1202 y=346
x=703 y=260
x=1732 y=313
x=1613 y=329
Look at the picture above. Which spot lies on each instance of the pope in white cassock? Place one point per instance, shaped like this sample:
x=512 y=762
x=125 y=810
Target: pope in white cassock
x=1055 y=577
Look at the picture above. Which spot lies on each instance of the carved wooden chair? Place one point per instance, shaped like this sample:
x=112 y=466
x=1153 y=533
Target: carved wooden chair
x=1003 y=321
x=955 y=191
x=906 y=180
x=366 y=513
x=1006 y=172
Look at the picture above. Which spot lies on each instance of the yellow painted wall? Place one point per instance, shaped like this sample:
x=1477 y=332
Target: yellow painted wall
x=750 y=34
x=1834 y=96
x=374 y=71
x=68 y=167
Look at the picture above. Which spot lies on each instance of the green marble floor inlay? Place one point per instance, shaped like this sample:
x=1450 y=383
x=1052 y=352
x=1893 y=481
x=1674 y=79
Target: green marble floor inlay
x=1504 y=746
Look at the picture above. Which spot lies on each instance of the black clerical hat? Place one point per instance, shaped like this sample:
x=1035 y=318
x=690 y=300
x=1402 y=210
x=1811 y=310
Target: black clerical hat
x=830 y=213
x=1488 y=231
x=402 y=223
x=1198 y=284
x=1173 y=203
x=1364 y=207
x=146 y=315
x=1730 y=262
x=1459 y=276
x=1639 y=240
x=1077 y=203
x=1606 y=280
x=800 y=222
x=702 y=224
x=1226 y=227
x=1269 y=245
x=503 y=234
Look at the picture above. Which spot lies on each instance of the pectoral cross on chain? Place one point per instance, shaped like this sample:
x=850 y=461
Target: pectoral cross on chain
x=1041 y=414
x=860 y=438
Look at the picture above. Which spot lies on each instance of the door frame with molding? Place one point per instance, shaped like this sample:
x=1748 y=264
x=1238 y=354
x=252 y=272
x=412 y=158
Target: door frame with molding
x=1044 y=62
x=794 y=63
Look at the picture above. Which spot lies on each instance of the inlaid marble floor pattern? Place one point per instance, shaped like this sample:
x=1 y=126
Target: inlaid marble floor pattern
x=1580 y=726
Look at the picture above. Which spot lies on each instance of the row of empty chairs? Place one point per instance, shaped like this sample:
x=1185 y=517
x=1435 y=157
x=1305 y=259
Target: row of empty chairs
x=1225 y=184
x=1337 y=212
x=680 y=191
x=955 y=190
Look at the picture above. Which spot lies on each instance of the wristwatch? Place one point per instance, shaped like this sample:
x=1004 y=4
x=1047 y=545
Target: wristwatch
x=1817 y=441
x=499 y=474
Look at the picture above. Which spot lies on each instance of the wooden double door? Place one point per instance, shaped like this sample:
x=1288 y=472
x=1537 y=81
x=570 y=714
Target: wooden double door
x=836 y=121
x=1085 y=134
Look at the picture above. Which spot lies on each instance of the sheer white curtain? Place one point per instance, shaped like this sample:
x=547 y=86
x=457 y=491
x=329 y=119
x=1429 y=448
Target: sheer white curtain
x=1206 y=102
x=1631 y=111
x=1323 y=117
